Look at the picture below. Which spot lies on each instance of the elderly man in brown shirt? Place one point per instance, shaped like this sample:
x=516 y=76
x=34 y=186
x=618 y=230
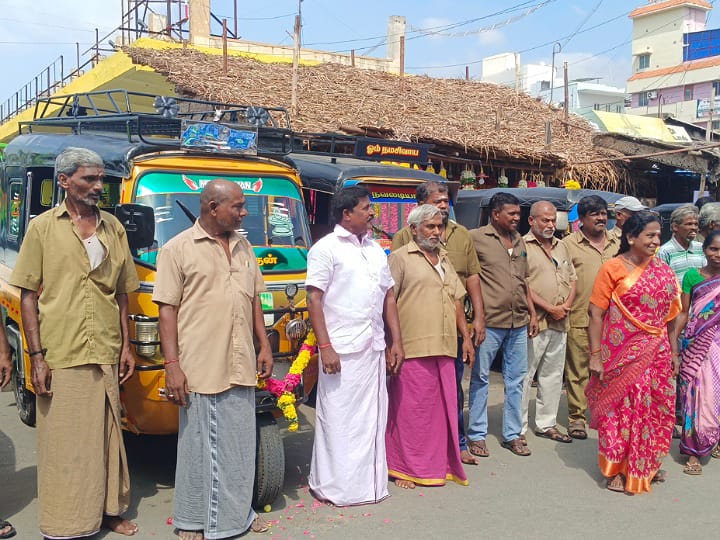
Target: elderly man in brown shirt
x=422 y=397
x=589 y=248
x=461 y=252
x=510 y=318
x=207 y=287
x=75 y=271
x=552 y=287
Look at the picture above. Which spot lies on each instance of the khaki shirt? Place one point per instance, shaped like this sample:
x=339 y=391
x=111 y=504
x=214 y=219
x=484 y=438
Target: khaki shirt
x=426 y=302
x=550 y=276
x=215 y=316
x=459 y=247
x=502 y=278
x=587 y=261
x=79 y=315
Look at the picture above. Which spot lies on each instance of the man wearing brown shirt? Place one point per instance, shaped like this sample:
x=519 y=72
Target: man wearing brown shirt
x=460 y=251
x=207 y=287
x=589 y=248
x=510 y=318
x=552 y=287
x=75 y=271
x=422 y=397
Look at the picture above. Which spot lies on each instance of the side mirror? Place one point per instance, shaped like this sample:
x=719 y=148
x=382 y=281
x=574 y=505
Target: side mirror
x=139 y=223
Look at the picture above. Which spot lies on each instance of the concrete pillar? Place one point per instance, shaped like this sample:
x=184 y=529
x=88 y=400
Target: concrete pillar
x=396 y=28
x=200 y=22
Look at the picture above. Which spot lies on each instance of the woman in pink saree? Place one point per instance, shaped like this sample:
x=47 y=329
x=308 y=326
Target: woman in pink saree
x=630 y=394
x=699 y=380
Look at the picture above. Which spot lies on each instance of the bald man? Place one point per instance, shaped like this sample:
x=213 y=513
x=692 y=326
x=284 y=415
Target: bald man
x=551 y=279
x=207 y=285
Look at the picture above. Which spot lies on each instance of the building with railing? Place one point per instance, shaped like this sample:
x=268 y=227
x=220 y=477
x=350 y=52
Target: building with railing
x=676 y=62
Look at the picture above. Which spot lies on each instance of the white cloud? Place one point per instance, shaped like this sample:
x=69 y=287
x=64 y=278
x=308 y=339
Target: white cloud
x=491 y=37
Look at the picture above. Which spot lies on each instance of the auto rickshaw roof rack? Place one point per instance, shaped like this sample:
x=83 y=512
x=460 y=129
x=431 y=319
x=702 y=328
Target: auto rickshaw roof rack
x=157 y=120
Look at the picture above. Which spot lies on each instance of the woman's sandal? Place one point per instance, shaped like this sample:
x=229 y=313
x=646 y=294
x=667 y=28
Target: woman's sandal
x=616 y=483
x=716 y=452
x=693 y=469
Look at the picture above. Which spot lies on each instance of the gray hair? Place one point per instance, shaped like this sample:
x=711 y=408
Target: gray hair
x=681 y=212
x=709 y=214
x=421 y=214
x=72 y=158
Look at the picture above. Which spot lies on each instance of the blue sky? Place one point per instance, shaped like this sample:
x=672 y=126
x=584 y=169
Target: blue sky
x=33 y=34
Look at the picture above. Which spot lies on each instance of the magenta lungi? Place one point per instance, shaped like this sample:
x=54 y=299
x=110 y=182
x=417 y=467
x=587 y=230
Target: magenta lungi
x=422 y=429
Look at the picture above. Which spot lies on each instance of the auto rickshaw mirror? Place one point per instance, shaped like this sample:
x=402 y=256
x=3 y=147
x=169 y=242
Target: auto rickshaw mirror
x=139 y=223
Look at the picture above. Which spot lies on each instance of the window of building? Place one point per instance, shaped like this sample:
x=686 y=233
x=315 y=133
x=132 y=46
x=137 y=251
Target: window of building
x=644 y=61
x=544 y=85
x=643 y=99
x=716 y=125
x=688 y=93
x=716 y=88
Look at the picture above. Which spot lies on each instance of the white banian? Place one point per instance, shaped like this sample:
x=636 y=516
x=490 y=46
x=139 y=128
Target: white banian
x=95 y=251
x=440 y=270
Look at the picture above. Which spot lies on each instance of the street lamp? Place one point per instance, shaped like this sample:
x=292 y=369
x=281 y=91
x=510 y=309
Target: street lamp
x=556 y=49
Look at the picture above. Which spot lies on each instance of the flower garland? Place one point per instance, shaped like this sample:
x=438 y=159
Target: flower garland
x=283 y=389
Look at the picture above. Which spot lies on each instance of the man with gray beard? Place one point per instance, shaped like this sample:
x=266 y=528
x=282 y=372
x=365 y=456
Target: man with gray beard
x=551 y=279
x=422 y=398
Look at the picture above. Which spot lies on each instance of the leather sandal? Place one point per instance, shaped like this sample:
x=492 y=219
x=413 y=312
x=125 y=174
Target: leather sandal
x=517 y=447
x=478 y=448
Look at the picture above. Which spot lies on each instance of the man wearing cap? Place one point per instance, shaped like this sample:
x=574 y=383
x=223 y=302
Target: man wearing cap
x=624 y=208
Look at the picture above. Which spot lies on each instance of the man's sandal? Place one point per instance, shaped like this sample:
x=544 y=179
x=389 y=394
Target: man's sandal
x=577 y=430
x=259 y=525
x=478 y=448
x=8 y=528
x=517 y=447
x=554 y=434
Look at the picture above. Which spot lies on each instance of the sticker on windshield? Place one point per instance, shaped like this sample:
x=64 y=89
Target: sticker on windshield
x=280 y=220
x=255 y=187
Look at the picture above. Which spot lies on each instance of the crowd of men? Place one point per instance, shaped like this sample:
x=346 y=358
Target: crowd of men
x=392 y=335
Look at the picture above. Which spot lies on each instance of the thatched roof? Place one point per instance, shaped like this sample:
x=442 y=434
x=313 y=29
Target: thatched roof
x=482 y=120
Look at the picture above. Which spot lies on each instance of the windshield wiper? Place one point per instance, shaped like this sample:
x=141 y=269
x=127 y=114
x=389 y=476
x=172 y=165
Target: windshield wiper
x=187 y=211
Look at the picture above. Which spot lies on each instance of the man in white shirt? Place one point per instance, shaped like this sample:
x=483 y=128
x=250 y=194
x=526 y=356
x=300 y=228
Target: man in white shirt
x=351 y=301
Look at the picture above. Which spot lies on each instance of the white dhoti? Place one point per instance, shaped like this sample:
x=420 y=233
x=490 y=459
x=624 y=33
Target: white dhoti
x=348 y=461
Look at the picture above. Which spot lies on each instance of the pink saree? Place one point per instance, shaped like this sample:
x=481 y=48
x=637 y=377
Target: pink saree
x=633 y=406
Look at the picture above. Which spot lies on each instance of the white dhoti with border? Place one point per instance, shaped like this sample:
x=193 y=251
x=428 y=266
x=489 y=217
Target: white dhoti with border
x=348 y=465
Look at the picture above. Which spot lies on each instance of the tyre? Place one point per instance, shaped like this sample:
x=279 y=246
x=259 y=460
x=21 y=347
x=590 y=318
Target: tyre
x=24 y=398
x=270 y=461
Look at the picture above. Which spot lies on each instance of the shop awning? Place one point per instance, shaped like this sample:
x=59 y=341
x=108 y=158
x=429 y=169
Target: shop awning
x=640 y=127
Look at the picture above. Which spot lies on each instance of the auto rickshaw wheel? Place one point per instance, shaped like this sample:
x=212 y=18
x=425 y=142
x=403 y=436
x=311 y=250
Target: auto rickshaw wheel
x=24 y=398
x=270 y=461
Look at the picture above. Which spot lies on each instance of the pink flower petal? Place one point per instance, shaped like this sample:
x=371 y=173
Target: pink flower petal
x=169 y=521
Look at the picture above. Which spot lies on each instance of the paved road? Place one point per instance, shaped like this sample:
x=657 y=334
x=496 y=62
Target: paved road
x=555 y=493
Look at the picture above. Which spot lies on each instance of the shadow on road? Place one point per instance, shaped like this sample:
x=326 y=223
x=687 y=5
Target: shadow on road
x=18 y=487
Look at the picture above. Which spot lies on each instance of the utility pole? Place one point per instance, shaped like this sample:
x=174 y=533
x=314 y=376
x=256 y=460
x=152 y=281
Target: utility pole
x=296 y=60
x=567 y=97
x=709 y=128
x=557 y=46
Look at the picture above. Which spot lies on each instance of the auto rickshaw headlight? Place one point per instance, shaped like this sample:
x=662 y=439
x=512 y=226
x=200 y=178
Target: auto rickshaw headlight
x=296 y=329
x=291 y=290
x=146 y=336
